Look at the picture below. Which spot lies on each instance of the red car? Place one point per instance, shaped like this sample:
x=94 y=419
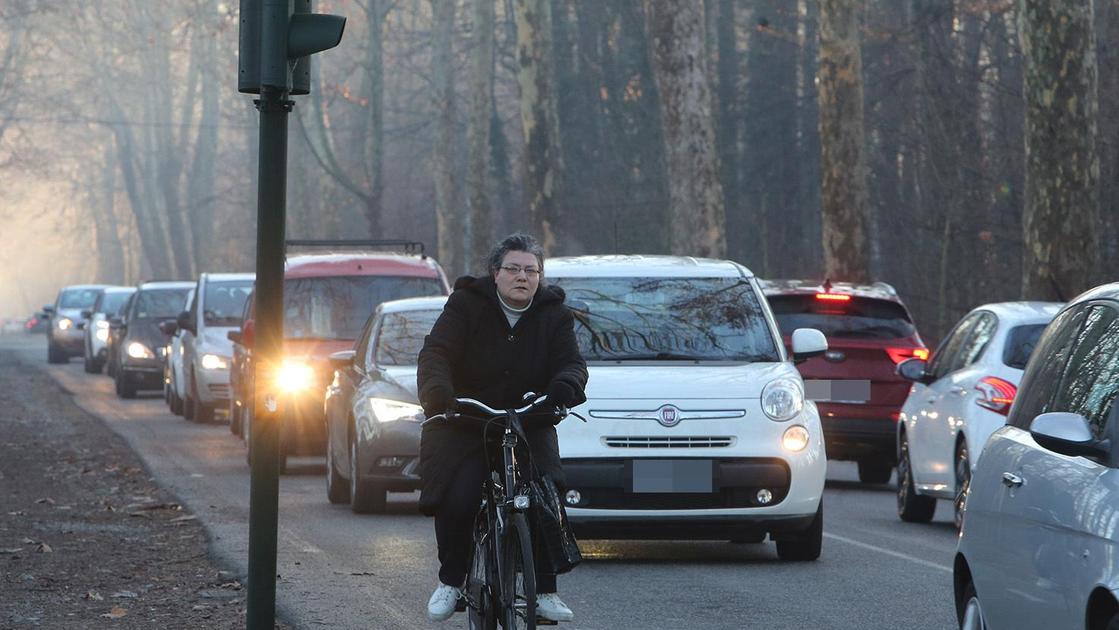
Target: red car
x=327 y=300
x=855 y=384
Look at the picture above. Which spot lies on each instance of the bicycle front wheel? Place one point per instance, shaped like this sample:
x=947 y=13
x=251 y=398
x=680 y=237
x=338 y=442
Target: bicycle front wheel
x=518 y=576
x=481 y=585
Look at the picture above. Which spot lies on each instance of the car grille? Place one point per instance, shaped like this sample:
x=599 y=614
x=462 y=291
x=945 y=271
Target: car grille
x=219 y=391
x=668 y=442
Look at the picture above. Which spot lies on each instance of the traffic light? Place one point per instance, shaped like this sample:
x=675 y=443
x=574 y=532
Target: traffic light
x=277 y=40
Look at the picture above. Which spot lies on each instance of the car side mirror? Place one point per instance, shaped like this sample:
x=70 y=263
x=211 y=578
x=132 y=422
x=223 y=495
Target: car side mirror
x=913 y=370
x=1068 y=434
x=116 y=323
x=342 y=359
x=168 y=327
x=234 y=336
x=808 y=343
x=48 y=309
x=184 y=321
x=86 y=314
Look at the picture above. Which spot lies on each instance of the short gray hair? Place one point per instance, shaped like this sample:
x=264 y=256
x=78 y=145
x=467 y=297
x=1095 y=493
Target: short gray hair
x=517 y=242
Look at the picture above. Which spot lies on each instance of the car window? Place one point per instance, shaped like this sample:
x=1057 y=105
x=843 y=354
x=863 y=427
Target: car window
x=361 y=348
x=224 y=301
x=632 y=319
x=976 y=341
x=78 y=298
x=1091 y=380
x=111 y=302
x=1047 y=364
x=401 y=336
x=855 y=318
x=337 y=307
x=1020 y=344
x=159 y=303
x=945 y=356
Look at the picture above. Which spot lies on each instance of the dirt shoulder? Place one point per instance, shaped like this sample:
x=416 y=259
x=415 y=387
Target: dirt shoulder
x=87 y=539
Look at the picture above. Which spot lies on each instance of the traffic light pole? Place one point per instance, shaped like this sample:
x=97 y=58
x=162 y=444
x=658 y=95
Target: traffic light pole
x=264 y=494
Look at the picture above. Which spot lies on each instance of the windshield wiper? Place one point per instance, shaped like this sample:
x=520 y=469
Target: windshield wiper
x=659 y=356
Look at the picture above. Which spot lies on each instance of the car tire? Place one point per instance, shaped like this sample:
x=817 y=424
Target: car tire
x=970 y=612
x=875 y=472
x=806 y=546
x=365 y=497
x=90 y=366
x=912 y=507
x=202 y=413
x=189 y=403
x=123 y=384
x=1113 y=623
x=176 y=403
x=56 y=354
x=247 y=434
x=337 y=488
x=963 y=483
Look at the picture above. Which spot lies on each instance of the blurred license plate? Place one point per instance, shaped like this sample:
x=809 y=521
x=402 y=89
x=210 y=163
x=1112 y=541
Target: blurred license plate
x=672 y=475
x=837 y=391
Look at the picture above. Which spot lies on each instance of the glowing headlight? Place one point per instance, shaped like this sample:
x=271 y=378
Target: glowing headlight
x=137 y=350
x=795 y=438
x=294 y=377
x=102 y=334
x=65 y=323
x=782 y=399
x=214 y=362
x=102 y=324
x=386 y=410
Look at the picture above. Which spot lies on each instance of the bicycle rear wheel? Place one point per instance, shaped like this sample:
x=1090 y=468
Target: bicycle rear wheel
x=518 y=576
x=480 y=582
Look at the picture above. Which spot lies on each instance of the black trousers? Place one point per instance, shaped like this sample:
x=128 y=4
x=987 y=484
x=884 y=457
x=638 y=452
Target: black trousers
x=454 y=526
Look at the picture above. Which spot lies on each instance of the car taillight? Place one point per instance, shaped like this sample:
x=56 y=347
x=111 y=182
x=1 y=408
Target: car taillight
x=995 y=394
x=833 y=297
x=900 y=354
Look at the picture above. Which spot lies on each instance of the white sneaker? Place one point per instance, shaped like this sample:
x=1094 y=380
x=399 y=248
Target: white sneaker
x=442 y=603
x=552 y=608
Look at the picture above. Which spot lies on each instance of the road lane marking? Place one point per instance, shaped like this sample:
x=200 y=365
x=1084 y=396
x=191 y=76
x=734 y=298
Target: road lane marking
x=888 y=552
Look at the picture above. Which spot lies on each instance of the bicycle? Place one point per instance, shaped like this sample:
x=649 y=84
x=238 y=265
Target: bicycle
x=501 y=583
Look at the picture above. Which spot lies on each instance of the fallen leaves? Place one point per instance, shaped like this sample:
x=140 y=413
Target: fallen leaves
x=124 y=595
x=44 y=548
x=116 y=613
x=47 y=500
x=11 y=550
x=93 y=596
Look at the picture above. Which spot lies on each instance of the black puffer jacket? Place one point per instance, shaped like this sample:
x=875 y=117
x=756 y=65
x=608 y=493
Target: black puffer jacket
x=473 y=353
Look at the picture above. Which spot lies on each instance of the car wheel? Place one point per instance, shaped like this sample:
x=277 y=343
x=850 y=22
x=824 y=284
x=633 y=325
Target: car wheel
x=365 y=497
x=56 y=354
x=337 y=488
x=1113 y=624
x=807 y=545
x=971 y=612
x=189 y=402
x=912 y=507
x=90 y=366
x=202 y=412
x=875 y=472
x=176 y=403
x=124 y=385
x=963 y=482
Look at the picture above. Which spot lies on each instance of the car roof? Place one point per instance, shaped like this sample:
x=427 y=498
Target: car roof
x=414 y=304
x=120 y=289
x=630 y=266
x=81 y=287
x=228 y=276
x=1103 y=292
x=325 y=265
x=1023 y=312
x=877 y=290
x=165 y=284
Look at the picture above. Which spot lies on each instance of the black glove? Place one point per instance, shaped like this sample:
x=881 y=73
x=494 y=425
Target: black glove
x=561 y=394
x=439 y=401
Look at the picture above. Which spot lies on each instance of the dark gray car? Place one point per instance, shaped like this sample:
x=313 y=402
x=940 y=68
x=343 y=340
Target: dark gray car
x=140 y=343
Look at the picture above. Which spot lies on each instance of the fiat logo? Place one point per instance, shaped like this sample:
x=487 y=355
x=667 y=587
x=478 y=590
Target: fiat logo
x=668 y=415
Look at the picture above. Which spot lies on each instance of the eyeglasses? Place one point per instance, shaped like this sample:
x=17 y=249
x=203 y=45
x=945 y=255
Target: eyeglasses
x=515 y=270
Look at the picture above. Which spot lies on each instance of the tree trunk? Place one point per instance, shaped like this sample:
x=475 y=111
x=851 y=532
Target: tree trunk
x=1062 y=165
x=448 y=224
x=543 y=157
x=844 y=206
x=697 y=217
x=374 y=149
x=478 y=130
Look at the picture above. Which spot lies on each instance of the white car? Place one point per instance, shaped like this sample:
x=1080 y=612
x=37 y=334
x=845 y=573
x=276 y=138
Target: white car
x=1040 y=542
x=173 y=369
x=698 y=427
x=96 y=327
x=958 y=399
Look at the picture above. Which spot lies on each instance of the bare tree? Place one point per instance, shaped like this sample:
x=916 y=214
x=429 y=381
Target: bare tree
x=448 y=224
x=1062 y=164
x=696 y=213
x=478 y=130
x=845 y=207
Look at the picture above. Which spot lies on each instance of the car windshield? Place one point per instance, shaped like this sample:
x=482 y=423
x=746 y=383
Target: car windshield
x=857 y=318
x=225 y=301
x=112 y=301
x=666 y=319
x=337 y=307
x=78 y=298
x=402 y=335
x=1020 y=343
x=160 y=303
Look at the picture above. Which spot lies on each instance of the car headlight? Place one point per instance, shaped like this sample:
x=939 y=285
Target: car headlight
x=102 y=324
x=795 y=438
x=102 y=334
x=295 y=377
x=386 y=410
x=65 y=323
x=782 y=399
x=137 y=350
x=214 y=362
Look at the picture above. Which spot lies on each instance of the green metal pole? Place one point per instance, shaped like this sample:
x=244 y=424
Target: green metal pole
x=264 y=494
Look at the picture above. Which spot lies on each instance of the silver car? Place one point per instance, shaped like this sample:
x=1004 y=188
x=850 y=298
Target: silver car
x=1040 y=540
x=65 y=338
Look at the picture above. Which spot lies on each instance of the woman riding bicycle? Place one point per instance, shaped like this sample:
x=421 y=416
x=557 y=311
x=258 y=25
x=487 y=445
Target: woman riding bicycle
x=499 y=336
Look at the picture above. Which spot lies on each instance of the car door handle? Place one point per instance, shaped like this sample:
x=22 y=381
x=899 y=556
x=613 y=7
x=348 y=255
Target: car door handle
x=1010 y=480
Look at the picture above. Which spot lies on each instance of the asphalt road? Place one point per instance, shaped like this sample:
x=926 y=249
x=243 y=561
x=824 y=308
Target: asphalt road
x=342 y=570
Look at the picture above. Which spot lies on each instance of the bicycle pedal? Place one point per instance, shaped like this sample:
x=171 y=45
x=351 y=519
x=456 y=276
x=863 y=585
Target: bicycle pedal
x=540 y=621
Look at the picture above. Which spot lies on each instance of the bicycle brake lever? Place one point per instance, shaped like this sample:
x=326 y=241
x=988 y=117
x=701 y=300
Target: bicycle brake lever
x=572 y=413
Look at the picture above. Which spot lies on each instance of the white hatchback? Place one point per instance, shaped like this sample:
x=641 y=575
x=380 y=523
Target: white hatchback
x=958 y=399
x=698 y=426
x=1040 y=542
